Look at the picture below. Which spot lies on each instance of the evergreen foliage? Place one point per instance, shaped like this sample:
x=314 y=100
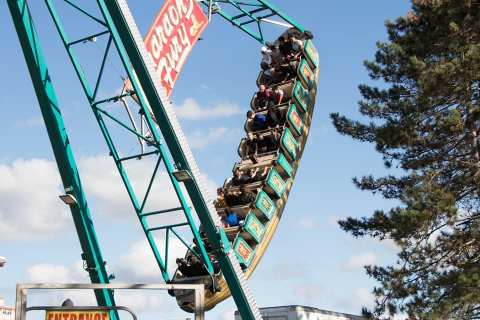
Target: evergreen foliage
x=424 y=118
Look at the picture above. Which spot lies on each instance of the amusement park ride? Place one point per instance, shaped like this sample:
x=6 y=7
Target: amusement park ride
x=228 y=255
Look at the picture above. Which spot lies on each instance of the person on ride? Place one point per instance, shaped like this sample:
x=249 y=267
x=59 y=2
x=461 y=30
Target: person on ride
x=266 y=55
x=247 y=196
x=275 y=117
x=254 y=175
x=271 y=74
x=262 y=97
x=288 y=69
x=223 y=216
x=220 y=201
x=239 y=178
x=232 y=198
x=262 y=148
x=251 y=147
x=183 y=267
x=285 y=46
x=257 y=175
x=276 y=97
x=297 y=45
x=268 y=73
x=203 y=235
x=232 y=219
x=251 y=174
x=261 y=175
x=276 y=54
x=269 y=143
x=196 y=266
x=256 y=122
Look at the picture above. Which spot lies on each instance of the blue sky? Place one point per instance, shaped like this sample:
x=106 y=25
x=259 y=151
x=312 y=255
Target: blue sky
x=310 y=260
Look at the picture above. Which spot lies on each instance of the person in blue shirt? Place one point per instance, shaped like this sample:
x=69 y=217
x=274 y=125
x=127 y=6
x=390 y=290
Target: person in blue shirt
x=256 y=122
x=232 y=219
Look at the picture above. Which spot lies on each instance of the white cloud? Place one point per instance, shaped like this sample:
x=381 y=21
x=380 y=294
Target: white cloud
x=139 y=265
x=364 y=297
x=227 y=314
x=191 y=110
x=200 y=139
x=143 y=300
x=333 y=221
x=29 y=189
x=103 y=183
x=31 y=122
x=289 y=271
x=46 y=272
x=390 y=244
x=138 y=300
x=29 y=204
x=308 y=223
x=358 y=261
x=211 y=187
x=136 y=266
x=355 y=300
x=309 y=293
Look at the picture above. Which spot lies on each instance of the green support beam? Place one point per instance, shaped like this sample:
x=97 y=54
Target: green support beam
x=245 y=13
x=61 y=146
x=121 y=32
x=159 y=149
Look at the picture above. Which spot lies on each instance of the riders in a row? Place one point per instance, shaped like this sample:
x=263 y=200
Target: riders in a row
x=264 y=127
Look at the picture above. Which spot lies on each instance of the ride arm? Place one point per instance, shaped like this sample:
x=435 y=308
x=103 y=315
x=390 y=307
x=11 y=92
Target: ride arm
x=118 y=14
x=245 y=13
x=95 y=265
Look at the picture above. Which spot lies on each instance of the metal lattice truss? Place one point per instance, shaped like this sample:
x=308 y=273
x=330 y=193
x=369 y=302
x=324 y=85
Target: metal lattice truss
x=152 y=123
x=250 y=16
x=142 y=128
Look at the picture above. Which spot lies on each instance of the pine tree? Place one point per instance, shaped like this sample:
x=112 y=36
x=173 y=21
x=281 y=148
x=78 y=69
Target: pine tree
x=424 y=118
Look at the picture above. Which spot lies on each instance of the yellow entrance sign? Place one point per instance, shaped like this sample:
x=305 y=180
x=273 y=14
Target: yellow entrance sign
x=77 y=315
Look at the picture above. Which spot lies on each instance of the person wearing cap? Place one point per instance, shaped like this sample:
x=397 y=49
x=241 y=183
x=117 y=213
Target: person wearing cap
x=266 y=55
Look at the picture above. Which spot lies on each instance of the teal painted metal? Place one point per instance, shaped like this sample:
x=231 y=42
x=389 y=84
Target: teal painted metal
x=61 y=147
x=160 y=150
x=243 y=14
x=122 y=34
x=119 y=35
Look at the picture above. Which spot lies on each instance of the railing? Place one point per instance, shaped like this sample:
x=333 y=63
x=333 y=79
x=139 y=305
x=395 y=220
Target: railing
x=22 y=291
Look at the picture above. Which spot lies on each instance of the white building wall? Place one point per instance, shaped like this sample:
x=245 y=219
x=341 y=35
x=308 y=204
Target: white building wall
x=6 y=313
x=301 y=313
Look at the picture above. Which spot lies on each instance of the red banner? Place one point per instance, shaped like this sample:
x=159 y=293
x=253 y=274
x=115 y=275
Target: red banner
x=172 y=36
